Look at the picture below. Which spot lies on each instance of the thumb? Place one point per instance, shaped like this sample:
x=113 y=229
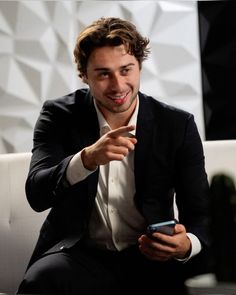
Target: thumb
x=179 y=228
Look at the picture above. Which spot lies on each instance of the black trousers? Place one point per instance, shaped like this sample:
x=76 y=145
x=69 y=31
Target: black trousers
x=84 y=271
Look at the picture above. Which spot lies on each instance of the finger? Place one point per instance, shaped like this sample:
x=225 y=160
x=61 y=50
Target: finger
x=129 y=135
x=118 y=150
x=121 y=130
x=153 y=254
x=126 y=142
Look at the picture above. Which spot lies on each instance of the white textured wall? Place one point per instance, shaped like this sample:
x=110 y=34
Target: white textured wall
x=36 y=62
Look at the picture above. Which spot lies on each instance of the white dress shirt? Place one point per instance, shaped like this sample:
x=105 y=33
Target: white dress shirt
x=115 y=222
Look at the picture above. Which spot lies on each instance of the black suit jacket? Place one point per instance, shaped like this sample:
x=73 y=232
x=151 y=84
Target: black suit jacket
x=168 y=159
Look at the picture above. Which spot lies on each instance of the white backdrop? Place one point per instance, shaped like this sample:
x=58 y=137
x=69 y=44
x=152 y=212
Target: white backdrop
x=37 y=39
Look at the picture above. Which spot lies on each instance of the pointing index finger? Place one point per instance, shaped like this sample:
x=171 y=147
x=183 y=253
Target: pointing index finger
x=121 y=130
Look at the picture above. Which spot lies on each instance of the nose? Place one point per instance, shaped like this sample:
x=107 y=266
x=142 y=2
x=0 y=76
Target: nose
x=116 y=82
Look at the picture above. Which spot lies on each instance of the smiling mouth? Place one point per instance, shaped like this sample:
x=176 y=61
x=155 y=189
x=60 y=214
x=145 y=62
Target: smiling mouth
x=119 y=99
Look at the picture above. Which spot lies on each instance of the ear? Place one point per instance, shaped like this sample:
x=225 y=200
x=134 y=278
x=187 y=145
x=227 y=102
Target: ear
x=84 y=78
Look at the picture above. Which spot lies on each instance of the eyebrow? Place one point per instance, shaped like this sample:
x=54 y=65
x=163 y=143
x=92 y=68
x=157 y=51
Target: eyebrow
x=107 y=69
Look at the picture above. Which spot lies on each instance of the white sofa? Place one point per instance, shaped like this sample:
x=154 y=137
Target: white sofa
x=19 y=224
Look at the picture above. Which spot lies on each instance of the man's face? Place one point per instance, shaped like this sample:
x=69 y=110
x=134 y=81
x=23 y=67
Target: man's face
x=113 y=76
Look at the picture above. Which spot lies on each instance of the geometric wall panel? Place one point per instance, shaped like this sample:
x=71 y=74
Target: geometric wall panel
x=37 y=39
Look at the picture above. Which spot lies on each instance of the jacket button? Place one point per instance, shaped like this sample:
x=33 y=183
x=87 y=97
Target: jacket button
x=62 y=247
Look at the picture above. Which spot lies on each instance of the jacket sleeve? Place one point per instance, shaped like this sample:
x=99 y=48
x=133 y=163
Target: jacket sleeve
x=46 y=184
x=192 y=188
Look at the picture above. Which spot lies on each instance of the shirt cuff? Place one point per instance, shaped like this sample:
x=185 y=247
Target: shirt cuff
x=76 y=171
x=196 y=247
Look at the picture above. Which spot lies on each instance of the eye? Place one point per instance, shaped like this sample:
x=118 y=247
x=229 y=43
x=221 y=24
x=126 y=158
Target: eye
x=103 y=74
x=125 y=71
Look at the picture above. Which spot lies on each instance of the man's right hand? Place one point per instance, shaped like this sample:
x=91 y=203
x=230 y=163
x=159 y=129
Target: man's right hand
x=114 y=145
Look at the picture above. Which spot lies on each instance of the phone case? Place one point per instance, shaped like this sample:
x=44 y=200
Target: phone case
x=166 y=227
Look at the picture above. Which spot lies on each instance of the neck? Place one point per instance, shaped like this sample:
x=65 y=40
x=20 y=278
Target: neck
x=116 y=120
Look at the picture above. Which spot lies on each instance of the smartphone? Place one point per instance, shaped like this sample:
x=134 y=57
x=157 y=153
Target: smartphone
x=166 y=227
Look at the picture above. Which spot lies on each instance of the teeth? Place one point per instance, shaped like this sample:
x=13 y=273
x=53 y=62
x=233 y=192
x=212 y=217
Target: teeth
x=118 y=96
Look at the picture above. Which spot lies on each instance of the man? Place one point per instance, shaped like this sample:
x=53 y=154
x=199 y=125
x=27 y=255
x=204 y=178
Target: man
x=108 y=160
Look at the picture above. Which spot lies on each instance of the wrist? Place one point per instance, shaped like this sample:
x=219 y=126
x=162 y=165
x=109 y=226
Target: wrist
x=88 y=160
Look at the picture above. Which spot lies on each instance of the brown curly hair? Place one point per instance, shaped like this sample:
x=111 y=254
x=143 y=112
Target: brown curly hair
x=109 y=32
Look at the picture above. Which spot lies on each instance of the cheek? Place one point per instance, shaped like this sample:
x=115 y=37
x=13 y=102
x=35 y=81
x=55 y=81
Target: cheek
x=134 y=78
x=97 y=87
x=135 y=81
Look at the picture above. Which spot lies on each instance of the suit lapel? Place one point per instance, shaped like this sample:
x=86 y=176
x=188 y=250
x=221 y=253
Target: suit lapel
x=88 y=131
x=144 y=134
